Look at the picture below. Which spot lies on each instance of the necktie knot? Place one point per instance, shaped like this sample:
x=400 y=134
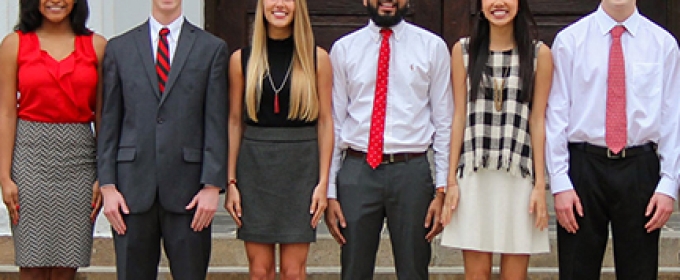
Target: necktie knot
x=617 y=31
x=164 y=31
x=386 y=33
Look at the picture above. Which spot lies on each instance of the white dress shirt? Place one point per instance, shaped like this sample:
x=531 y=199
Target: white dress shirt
x=175 y=29
x=577 y=103
x=419 y=97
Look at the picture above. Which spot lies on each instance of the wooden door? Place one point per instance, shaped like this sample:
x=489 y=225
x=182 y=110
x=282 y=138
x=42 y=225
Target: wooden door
x=231 y=19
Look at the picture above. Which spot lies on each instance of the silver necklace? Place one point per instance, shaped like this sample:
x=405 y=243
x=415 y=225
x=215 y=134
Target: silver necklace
x=285 y=79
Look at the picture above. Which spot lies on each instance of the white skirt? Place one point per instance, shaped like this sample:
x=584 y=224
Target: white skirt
x=493 y=216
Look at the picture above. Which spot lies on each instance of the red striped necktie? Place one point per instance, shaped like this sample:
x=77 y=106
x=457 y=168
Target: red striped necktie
x=163 y=58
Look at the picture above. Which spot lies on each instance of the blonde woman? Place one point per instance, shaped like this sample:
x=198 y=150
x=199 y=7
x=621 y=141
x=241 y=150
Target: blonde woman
x=280 y=138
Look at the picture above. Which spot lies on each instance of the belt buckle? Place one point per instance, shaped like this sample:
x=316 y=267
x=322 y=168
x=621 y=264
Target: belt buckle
x=612 y=155
x=388 y=160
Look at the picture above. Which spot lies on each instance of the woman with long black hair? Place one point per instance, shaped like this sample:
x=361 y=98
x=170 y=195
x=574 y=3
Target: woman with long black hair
x=496 y=200
x=47 y=146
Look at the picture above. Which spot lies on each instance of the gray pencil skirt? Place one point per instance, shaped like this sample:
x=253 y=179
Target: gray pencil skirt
x=277 y=171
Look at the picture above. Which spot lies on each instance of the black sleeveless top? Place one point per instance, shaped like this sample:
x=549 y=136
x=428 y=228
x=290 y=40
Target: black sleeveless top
x=280 y=54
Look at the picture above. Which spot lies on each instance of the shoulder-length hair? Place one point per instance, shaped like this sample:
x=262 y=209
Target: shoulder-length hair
x=304 y=103
x=525 y=33
x=31 y=19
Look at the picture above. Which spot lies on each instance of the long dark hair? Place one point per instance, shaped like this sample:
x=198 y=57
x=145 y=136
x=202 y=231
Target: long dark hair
x=31 y=19
x=525 y=33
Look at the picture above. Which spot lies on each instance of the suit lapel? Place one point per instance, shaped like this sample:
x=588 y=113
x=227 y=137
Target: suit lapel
x=184 y=45
x=145 y=51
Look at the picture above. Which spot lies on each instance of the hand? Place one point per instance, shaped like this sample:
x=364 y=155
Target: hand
x=565 y=202
x=205 y=203
x=114 y=204
x=537 y=205
x=10 y=196
x=433 y=217
x=662 y=207
x=96 y=202
x=233 y=204
x=335 y=219
x=450 y=203
x=319 y=204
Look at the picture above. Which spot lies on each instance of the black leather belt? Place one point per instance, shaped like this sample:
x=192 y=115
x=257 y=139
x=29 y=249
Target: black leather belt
x=387 y=158
x=606 y=152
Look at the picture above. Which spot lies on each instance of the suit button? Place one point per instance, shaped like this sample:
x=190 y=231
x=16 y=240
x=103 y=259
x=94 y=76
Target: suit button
x=160 y=120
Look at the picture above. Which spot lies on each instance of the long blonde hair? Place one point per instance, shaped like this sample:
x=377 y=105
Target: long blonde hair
x=304 y=103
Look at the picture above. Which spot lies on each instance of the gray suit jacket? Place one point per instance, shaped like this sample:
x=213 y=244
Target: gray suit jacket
x=163 y=146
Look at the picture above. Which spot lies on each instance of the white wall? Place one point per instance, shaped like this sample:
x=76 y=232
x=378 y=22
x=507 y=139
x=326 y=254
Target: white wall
x=108 y=17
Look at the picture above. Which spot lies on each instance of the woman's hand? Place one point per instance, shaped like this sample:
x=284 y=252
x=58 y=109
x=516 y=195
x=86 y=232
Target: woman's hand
x=537 y=206
x=319 y=204
x=233 y=204
x=10 y=196
x=450 y=203
x=96 y=202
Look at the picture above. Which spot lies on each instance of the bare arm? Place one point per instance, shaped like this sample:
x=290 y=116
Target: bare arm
x=8 y=120
x=542 y=85
x=459 y=80
x=235 y=130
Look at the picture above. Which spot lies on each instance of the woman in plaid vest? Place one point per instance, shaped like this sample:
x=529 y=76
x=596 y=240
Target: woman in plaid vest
x=496 y=201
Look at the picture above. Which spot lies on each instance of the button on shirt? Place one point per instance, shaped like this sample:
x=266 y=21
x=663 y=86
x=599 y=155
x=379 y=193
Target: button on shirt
x=173 y=37
x=577 y=103
x=419 y=97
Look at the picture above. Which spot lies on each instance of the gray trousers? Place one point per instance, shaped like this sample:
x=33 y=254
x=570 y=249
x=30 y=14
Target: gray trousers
x=138 y=251
x=400 y=192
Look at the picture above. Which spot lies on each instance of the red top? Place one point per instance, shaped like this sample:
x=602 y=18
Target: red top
x=56 y=91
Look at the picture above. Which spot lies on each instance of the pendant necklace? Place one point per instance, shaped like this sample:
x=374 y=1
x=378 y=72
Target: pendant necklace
x=280 y=88
x=498 y=87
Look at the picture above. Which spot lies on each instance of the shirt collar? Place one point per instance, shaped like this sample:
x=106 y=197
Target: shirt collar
x=397 y=30
x=175 y=27
x=606 y=22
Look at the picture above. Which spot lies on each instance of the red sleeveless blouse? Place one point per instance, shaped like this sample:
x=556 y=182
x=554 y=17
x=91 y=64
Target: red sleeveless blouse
x=56 y=91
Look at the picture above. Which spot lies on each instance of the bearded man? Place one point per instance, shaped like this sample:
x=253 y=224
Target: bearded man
x=392 y=100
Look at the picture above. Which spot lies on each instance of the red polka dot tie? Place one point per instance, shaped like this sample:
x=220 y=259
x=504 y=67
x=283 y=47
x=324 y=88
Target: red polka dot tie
x=616 y=125
x=376 y=137
x=163 y=59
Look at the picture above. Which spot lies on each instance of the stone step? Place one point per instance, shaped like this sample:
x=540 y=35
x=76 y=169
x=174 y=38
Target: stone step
x=229 y=252
x=332 y=273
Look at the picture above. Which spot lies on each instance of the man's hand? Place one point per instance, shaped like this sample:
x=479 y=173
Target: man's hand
x=233 y=204
x=565 y=202
x=10 y=196
x=114 y=204
x=450 y=203
x=433 y=218
x=205 y=202
x=335 y=219
x=661 y=206
x=96 y=202
x=319 y=204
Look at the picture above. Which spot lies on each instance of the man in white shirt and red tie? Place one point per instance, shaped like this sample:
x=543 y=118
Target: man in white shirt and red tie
x=392 y=101
x=613 y=140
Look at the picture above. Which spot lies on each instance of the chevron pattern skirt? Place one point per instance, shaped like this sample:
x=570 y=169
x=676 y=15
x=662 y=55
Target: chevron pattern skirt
x=54 y=167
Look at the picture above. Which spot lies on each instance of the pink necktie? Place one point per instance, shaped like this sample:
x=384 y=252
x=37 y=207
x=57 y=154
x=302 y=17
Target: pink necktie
x=616 y=134
x=376 y=137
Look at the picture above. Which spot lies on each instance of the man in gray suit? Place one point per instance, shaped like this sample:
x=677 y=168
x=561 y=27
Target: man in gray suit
x=162 y=143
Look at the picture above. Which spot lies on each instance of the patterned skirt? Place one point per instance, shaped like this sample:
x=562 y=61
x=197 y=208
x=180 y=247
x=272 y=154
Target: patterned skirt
x=54 y=168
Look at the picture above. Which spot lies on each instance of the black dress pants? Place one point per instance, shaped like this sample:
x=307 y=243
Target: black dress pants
x=613 y=192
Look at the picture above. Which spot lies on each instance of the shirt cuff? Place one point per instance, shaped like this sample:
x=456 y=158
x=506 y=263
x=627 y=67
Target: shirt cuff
x=560 y=183
x=668 y=187
x=332 y=193
x=440 y=181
